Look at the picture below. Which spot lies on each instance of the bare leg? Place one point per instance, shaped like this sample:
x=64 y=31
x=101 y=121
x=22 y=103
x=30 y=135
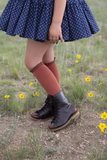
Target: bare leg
x=39 y=51
x=49 y=54
x=35 y=52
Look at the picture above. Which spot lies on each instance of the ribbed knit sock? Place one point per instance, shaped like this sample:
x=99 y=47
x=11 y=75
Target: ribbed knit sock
x=54 y=69
x=46 y=78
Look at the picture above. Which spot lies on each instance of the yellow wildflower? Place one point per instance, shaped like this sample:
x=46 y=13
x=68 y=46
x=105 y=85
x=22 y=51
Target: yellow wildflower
x=100 y=83
x=69 y=70
x=31 y=83
x=100 y=36
x=88 y=79
x=102 y=126
x=78 y=56
x=37 y=94
x=22 y=96
x=33 y=95
x=7 y=96
x=90 y=94
x=76 y=61
x=105 y=69
x=103 y=115
x=103 y=99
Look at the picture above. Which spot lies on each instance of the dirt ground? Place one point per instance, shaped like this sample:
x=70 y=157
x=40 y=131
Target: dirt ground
x=66 y=139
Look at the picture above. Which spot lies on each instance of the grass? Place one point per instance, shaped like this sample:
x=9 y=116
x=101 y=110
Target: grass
x=15 y=77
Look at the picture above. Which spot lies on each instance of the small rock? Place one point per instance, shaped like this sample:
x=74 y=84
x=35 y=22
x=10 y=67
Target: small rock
x=57 y=135
x=92 y=131
x=45 y=143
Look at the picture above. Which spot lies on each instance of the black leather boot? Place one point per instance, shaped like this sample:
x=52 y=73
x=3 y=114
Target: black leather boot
x=45 y=112
x=63 y=111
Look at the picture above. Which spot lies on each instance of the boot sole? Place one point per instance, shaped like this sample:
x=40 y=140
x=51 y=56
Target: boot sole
x=71 y=118
x=35 y=119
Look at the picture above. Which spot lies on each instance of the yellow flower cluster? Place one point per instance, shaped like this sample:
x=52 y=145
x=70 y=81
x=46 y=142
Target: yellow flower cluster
x=101 y=36
x=31 y=83
x=36 y=94
x=22 y=95
x=88 y=80
x=78 y=56
x=102 y=126
x=90 y=94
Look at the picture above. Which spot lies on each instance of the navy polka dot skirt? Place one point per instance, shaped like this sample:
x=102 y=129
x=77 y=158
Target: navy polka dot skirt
x=32 y=19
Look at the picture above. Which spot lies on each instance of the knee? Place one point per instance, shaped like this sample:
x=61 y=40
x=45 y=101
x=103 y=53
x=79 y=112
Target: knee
x=31 y=62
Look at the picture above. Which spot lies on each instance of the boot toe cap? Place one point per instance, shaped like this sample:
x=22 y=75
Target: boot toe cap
x=34 y=115
x=52 y=126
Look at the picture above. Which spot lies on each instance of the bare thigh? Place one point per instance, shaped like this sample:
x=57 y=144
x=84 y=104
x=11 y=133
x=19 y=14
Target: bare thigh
x=49 y=54
x=34 y=52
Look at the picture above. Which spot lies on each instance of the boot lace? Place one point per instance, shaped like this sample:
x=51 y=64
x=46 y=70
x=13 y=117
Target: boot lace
x=56 y=112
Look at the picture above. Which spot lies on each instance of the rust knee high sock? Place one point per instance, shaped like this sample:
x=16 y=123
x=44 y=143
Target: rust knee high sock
x=54 y=69
x=46 y=78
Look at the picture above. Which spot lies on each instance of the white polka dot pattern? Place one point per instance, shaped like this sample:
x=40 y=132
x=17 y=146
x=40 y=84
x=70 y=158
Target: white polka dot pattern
x=32 y=19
